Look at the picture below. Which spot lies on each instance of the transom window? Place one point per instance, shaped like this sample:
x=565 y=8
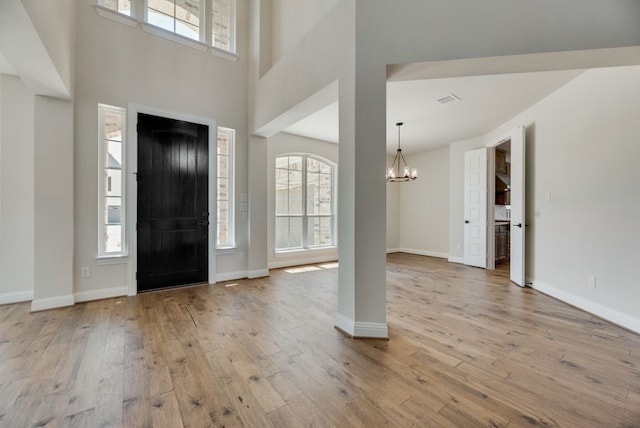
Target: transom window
x=120 y=6
x=211 y=22
x=223 y=25
x=179 y=16
x=304 y=202
x=112 y=184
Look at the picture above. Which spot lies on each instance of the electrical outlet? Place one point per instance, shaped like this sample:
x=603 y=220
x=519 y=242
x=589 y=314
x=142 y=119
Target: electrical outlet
x=591 y=281
x=85 y=272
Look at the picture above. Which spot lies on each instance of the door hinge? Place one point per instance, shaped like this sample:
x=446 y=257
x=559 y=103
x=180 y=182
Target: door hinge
x=137 y=127
x=137 y=276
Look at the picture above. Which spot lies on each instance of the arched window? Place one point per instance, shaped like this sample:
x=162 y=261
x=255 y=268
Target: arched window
x=304 y=202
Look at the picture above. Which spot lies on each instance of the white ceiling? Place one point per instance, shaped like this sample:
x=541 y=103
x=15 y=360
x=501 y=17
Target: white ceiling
x=487 y=102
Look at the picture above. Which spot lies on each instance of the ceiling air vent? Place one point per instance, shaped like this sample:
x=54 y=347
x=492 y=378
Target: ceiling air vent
x=451 y=98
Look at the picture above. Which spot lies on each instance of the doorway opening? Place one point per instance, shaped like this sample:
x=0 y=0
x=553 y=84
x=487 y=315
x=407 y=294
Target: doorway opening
x=502 y=207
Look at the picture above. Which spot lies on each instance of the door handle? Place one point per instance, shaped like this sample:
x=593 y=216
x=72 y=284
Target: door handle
x=466 y=222
x=518 y=225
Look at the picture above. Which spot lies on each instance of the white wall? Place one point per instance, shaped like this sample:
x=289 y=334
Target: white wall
x=293 y=19
x=280 y=144
x=55 y=22
x=16 y=190
x=119 y=65
x=424 y=212
x=582 y=149
x=53 y=221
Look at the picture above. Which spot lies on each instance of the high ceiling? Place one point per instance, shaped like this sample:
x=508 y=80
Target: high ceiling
x=485 y=103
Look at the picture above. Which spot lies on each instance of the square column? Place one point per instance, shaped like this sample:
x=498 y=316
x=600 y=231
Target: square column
x=362 y=202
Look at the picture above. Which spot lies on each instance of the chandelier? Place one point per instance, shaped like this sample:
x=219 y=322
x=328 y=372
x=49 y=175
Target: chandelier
x=399 y=170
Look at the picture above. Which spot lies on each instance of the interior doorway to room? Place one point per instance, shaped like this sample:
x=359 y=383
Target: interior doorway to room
x=494 y=206
x=172 y=203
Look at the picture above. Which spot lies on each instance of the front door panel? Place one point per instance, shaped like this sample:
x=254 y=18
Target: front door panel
x=172 y=224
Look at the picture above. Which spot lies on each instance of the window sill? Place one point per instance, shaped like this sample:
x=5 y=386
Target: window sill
x=116 y=16
x=169 y=35
x=112 y=260
x=224 y=54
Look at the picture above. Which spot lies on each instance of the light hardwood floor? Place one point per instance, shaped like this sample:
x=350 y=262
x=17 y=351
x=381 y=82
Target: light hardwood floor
x=466 y=348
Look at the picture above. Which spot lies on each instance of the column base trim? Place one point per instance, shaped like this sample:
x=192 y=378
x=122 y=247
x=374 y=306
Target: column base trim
x=52 y=303
x=361 y=330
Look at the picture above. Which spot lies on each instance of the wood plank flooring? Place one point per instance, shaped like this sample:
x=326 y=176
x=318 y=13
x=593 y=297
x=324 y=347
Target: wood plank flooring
x=466 y=349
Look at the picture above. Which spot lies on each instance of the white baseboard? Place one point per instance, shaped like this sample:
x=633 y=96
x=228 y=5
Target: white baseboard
x=51 y=303
x=612 y=315
x=231 y=276
x=302 y=261
x=421 y=252
x=21 y=296
x=103 y=293
x=362 y=330
x=456 y=260
x=393 y=250
x=260 y=273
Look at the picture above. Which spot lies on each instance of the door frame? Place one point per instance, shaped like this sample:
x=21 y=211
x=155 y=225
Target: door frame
x=491 y=189
x=131 y=197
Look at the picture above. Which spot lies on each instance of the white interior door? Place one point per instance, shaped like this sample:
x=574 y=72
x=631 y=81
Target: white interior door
x=518 y=220
x=475 y=208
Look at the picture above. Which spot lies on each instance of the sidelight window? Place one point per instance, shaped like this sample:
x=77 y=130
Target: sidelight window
x=304 y=202
x=224 y=199
x=111 y=211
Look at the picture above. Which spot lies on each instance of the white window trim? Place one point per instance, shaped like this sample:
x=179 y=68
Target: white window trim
x=102 y=254
x=232 y=189
x=141 y=18
x=305 y=215
x=105 y=12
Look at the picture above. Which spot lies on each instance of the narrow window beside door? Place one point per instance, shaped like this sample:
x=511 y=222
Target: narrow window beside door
x=111 y=214
x=224 y=199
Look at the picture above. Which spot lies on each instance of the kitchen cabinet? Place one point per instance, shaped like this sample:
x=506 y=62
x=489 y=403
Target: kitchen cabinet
x=502 y=242
x=503 y=197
